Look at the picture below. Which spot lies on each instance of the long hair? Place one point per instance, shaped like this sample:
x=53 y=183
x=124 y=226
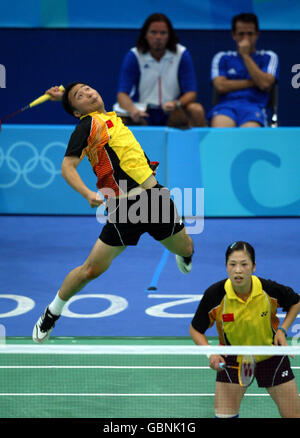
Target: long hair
x=142 y=44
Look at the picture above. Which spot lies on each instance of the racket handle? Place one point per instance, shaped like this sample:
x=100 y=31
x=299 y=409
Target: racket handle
x=221 y=365
x=154 y=165
x=43 y=98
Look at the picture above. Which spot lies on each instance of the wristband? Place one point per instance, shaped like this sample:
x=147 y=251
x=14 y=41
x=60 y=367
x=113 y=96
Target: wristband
x=283 y=330
x=178 y=103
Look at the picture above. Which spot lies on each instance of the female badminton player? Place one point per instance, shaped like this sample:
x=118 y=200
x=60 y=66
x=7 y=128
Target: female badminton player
x=244 y=310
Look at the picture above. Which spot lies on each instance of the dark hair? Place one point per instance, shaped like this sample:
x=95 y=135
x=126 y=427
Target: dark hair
x=142 y=44
x=240 y=246
x=65 y=98
x=245 y=18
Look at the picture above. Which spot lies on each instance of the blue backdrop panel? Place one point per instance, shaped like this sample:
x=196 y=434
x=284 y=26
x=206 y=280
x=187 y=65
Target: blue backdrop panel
x=184 y=169
x=30 y=163
x=186 y=14
x=248 y=172
x=30 y=178
x=251 y=173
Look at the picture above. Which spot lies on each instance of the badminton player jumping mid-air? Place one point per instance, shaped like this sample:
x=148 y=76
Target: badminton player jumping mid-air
x=135 y=202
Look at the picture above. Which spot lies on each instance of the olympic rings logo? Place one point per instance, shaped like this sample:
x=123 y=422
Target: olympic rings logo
x=26 y=170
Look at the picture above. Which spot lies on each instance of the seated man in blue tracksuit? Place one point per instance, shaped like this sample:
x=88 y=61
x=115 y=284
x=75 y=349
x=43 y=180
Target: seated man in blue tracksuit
x=243 y=78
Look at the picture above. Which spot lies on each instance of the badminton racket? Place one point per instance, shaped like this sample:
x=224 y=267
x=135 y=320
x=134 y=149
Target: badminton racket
x=35 y=102
x=246 y=370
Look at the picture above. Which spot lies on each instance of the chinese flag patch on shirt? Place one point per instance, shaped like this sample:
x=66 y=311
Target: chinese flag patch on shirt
x=109 y=124
x=228 y=317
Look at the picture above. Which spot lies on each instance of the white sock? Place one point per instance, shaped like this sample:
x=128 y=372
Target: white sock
x=57 y=305
x=226 y=415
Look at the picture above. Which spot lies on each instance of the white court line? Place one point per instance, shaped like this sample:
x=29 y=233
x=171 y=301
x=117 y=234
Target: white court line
x=137 y=367
x=45 y=394
x=116 y=367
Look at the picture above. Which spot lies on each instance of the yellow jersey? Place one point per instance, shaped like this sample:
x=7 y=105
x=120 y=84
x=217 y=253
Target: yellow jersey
x=116 y=157
x=238 y=322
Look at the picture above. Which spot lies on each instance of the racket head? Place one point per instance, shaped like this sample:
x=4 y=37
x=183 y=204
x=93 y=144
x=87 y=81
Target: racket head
x=9 y=116
x=246 y=370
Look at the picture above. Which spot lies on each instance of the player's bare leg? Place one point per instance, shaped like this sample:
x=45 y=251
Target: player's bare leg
x=97 y=262
x=228 y=397
x=287 y=399
x=181 y=244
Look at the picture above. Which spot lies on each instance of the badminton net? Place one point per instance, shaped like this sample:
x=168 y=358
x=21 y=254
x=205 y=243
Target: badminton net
x=124 y=381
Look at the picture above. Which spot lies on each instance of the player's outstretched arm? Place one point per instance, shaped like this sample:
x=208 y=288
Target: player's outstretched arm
x=70 y=174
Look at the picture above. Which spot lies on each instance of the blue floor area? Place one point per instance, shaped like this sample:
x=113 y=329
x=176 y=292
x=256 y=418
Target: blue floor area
x=36 y=253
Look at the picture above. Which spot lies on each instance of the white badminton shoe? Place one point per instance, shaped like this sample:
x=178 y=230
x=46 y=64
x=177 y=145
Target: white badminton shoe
x=44 y=326
x=184 y=264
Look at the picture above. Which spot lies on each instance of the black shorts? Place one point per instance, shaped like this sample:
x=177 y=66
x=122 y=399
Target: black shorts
x=270 y=372
x=152 y=211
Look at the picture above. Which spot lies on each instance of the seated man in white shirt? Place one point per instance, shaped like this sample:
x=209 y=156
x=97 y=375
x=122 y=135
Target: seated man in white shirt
x=157 y=81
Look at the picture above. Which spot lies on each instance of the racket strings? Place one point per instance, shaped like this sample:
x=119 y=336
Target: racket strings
x=247 y=371
x=15 y=113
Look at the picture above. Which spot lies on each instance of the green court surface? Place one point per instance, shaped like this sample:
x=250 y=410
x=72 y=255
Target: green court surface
x=116 y=385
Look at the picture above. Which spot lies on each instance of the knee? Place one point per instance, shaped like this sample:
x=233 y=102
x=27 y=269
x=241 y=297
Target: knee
x=90 y=272
x=196 y=112
x=195 y=108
